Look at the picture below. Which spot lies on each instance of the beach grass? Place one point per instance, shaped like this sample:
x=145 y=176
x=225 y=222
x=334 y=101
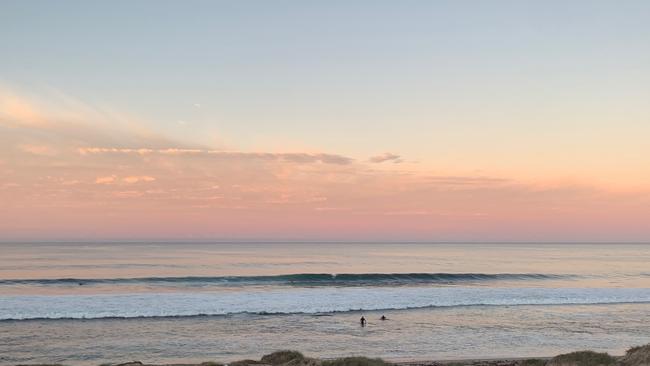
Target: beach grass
x=533 y=362
x=582 y=358
x=355 y=361
x=282 y=357
x=635 y=356
x=246 y=363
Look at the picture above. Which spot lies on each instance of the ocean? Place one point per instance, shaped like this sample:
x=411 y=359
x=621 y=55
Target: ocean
x=93 y=303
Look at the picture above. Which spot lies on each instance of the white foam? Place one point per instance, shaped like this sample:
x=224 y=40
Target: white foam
x=301 y=300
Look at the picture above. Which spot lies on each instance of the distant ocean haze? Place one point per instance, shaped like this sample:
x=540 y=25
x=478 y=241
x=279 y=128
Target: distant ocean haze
x=135 y=260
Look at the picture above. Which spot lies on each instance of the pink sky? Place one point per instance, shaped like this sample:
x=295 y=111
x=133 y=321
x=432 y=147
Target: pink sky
x=425 y=120
x=73 y=171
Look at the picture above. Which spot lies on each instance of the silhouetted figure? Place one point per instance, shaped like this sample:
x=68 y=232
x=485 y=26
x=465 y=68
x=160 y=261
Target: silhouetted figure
x=363 y=321
x=383 y=317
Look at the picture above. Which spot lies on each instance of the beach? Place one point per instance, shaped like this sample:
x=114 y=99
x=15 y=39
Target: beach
x=324 y=183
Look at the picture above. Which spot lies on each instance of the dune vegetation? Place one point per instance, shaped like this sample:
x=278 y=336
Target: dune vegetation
x=582 y=358
x=635 y=356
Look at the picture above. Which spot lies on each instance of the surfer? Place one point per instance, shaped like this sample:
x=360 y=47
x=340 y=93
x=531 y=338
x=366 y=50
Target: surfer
x=383 y=317
x=362 y=321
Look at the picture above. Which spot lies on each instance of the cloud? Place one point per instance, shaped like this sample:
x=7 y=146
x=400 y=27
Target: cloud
x=385 y=157
x=331 y=209
x=127 y=194
x=300 y=158
x=77 y=169
x=100 y=150
x=137 y=179
x=407 y=213
x=465 y=180
x=43 y=150
x=15 y=110
x=105 y=180
x=111 y=179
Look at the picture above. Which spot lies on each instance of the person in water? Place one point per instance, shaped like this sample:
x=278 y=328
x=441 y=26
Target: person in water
x=383 y=317
x=363 y=321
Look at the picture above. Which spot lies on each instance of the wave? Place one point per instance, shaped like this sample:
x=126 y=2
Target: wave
x=299 y=279
x=300 y=301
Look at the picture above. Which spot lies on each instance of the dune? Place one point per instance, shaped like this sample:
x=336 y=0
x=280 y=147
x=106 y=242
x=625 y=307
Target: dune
x=637 y=356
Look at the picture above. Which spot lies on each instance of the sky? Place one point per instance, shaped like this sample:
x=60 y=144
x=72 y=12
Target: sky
x=332 y=120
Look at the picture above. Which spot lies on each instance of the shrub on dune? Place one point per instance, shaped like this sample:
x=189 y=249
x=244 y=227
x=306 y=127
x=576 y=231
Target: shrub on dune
x=582 y=358
x=355 y=361
x=637 y=356
x=282 y=357
x=246 y=363
x=533 y=362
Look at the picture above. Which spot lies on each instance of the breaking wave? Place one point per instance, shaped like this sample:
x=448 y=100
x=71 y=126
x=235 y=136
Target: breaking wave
x=300 y=279
x=300 y=301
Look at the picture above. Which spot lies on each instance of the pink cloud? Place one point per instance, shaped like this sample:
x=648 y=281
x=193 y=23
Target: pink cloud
x=105 y=180
x=271 y=194
x=303 y=158
x=15 y=110
x=385 y=157
x=37 y=149
x=137 y=179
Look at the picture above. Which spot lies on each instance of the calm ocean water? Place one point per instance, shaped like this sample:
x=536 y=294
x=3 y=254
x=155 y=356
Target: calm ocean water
x=90 y=303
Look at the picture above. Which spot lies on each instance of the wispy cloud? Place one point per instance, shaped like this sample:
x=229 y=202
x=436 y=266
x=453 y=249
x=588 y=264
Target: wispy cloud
x=64 y=174
x=466 y=180
x=385 y=157
x=136 y=179
x=37 y=149
x=16 y=110
x=301 y=158
x=105 y=180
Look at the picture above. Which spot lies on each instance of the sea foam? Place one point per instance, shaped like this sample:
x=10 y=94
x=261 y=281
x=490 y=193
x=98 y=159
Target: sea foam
x=299 y=300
